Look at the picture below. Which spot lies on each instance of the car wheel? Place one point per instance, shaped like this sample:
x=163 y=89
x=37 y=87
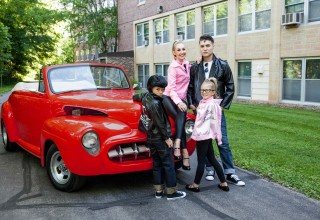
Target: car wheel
x=59 y=174
x=8 y=145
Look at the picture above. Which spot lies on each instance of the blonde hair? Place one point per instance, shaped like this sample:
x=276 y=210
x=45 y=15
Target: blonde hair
x=214 y=85
x=175 y=44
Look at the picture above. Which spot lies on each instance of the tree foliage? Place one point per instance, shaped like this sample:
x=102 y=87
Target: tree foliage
x=5 y=50
x=33 y=39
x=94 y=22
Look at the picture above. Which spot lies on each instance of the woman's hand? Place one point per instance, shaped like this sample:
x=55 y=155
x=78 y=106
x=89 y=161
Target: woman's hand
x=183 y=107
x=169 y=143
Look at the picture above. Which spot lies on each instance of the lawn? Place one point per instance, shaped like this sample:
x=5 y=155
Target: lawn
x=282 y=144
x=6 y=88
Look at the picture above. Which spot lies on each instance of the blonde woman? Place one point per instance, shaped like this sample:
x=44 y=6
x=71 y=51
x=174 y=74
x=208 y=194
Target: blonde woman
x=175 y=99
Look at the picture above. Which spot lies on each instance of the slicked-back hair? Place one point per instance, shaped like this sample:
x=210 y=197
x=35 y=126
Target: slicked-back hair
x=206 y=37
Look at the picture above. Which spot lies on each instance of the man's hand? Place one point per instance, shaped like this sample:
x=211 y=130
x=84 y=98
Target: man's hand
x=169 y=143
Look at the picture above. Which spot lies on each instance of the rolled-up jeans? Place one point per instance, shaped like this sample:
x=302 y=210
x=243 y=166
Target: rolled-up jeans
x=179 y=117
x=163 y=166
x=224 y=150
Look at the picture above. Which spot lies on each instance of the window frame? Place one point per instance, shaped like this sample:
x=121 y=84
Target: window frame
x=303 y=81
x=145 y=35
x=248 y=78
x=215 y=19
x=185 y=26
x=306 y=10
x=162 y=30
x=253 y=13
x=164 y=69
x=145 y=75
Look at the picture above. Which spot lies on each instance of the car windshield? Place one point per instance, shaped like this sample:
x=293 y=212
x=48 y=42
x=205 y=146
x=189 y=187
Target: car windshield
x=74 y=78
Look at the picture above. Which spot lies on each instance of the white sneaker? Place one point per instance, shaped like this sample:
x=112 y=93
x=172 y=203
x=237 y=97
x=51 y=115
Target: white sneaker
x=233 y=178
x=210 y=175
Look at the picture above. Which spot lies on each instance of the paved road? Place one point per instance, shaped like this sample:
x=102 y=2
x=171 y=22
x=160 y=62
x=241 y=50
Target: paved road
x=26 y=193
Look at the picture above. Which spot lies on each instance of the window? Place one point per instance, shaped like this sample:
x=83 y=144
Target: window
x=161 y=27
x=143 y=75
x=254 y=15
x=162 y=70
x=142 y=34
x=301 y=80
x=185 y=23
x=215 y=19
x=310 y=8
x=140 y=2
x=244 y=79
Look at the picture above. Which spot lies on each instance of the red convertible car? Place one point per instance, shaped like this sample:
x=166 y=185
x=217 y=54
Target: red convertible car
x=80 y=120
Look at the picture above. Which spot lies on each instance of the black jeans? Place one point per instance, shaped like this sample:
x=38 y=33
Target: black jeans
x=205 y=149
x=163 y=165
x=179 y=117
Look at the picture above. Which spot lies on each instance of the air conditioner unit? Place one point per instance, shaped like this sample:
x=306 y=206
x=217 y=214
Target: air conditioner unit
x=146 y=42
x=180 y=36
x=291 y=19
x=158 y=40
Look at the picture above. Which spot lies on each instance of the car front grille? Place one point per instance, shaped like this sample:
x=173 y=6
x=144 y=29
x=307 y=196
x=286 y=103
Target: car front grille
x=127 y=152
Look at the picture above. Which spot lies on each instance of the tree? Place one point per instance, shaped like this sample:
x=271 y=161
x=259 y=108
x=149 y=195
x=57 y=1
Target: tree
x=5 y=50
x=94 y=22
x=33 y=39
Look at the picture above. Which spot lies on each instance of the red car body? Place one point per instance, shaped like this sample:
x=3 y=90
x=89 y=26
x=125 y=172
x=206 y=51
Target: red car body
x=58 y=111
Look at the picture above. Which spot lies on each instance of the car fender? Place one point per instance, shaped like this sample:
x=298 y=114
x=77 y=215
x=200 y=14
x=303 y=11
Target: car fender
x=8 y=119
x=67 y=131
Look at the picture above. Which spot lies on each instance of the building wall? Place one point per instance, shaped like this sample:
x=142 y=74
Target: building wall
x=130 y=11
x=266 y=49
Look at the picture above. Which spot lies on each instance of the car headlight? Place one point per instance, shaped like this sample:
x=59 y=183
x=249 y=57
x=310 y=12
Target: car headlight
x=91 y=142
x=189 y=128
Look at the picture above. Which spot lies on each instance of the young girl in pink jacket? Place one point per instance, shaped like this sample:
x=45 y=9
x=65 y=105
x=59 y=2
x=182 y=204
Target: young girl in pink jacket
x=207 y=127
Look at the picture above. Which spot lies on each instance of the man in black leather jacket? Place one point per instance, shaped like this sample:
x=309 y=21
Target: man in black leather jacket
x=159 y=140
x=212 y=66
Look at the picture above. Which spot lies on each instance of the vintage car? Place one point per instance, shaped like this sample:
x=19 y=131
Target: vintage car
x=80 y=120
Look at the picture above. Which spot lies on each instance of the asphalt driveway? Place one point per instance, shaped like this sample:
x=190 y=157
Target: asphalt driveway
x=26 y=193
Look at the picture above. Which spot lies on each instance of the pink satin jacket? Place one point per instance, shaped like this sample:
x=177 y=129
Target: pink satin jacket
x=208 y=120
x=178 y=81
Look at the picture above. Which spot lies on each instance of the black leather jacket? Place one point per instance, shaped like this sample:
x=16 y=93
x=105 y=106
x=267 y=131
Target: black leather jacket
x=161 y=129
x=221 y=71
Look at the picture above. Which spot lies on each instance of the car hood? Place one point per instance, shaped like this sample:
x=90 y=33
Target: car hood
x=117 y=104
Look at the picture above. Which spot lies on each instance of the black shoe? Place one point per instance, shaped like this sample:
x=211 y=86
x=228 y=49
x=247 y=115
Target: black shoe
x=234 y=179
x=176 y=195
x=177 y=157
x=159 y=195
x=192 y=188
x=186 y=167
x=224 y=188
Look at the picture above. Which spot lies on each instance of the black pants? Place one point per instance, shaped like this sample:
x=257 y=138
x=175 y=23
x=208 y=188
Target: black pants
x=179 y=117
x=205 y=149
x=163 y=165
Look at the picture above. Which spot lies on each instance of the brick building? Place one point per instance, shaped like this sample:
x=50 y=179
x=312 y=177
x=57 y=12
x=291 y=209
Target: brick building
x=272 y=46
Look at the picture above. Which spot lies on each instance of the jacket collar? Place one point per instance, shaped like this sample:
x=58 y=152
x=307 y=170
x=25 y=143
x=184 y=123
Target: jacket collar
x=177 y=64
x=211 y=99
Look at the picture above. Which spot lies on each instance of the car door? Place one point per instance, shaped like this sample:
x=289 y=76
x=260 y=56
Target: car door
x=30 y=110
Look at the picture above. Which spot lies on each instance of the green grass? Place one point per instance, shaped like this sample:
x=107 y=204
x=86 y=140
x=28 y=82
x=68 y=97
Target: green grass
x=6 y=88
x=282 y=144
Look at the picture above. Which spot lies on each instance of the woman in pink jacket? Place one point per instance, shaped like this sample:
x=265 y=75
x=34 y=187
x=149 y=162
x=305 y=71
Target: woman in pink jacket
x=175 y=99
x=207 y=127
